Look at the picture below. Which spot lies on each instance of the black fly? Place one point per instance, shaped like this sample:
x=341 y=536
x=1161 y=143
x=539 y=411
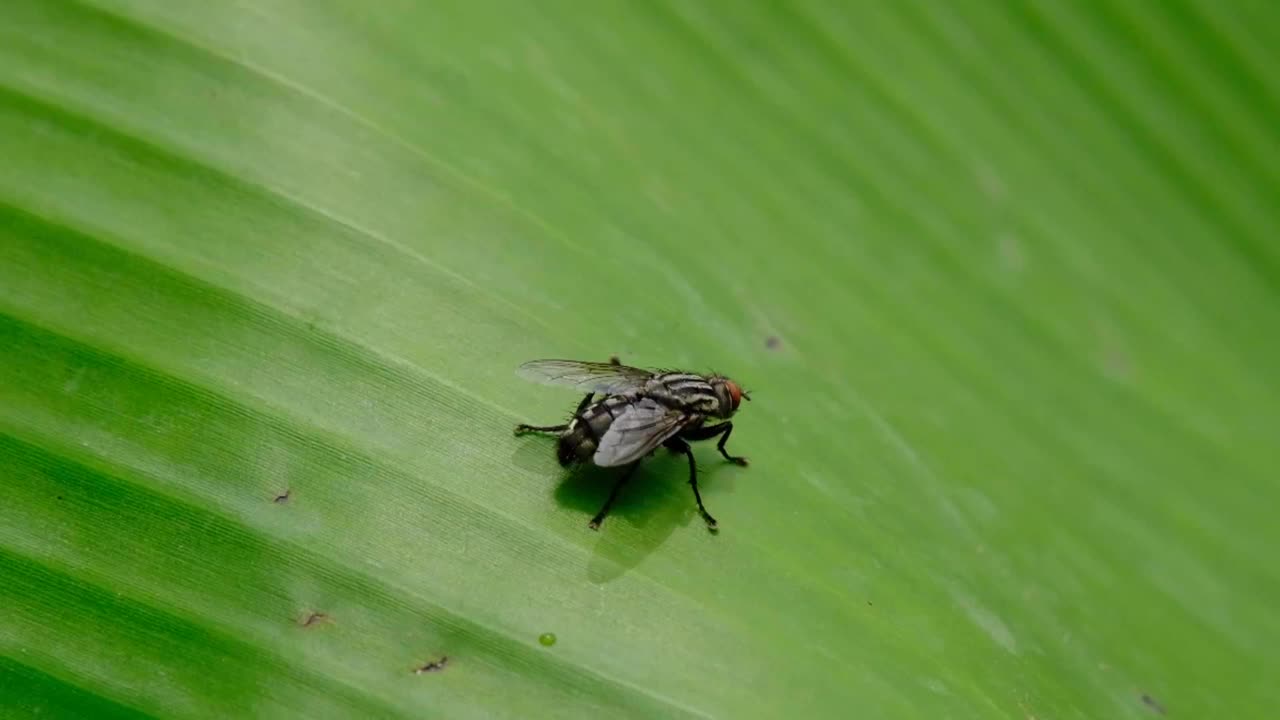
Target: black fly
x=638 y=410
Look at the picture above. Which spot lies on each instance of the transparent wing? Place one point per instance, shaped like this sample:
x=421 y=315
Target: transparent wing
x=640 y=429
x=598 y=377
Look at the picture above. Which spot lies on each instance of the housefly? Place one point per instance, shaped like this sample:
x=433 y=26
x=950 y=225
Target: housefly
x=628 y=412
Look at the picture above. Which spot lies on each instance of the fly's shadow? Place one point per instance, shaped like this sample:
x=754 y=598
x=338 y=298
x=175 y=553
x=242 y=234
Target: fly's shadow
x=583 y=487
x=648 y=510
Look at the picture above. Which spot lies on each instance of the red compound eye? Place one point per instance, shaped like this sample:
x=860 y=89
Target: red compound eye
x=735 y=392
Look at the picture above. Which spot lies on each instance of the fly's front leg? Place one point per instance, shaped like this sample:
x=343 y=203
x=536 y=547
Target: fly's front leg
x=680 y=446
x=613 y=495
x=724 y=429
x=521 y=429
x=735 y=459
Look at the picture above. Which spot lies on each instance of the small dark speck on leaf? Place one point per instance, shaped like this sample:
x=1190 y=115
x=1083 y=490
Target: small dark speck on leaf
x=59 y=497
x=773 y=342
x=1152 y=703
x=433 y=666
x=313 y=618
x=868 y=603
x=282 y=497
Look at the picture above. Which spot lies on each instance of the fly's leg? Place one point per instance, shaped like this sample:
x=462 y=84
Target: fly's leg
x=735 y=459
x=521 y=429
x=613 y=495
x=680 y=446
x=723 y=430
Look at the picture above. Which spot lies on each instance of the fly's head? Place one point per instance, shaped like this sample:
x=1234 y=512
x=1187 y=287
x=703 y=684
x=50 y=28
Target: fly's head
x=729 y=393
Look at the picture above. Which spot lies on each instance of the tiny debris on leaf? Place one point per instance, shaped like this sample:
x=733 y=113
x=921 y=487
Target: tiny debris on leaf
x=433 y=666
x=282 y=497
x=773 y=342
x=1152 y=703
x=313 y=618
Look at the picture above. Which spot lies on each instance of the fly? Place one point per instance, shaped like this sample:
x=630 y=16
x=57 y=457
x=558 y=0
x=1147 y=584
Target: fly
x=636 y=411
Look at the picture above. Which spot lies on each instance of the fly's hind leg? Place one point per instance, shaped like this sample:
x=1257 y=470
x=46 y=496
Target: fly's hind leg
x=680 y=446
x=522 y=428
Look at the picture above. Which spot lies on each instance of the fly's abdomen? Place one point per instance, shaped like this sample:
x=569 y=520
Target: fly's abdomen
x=580 y=440
x=575 y=445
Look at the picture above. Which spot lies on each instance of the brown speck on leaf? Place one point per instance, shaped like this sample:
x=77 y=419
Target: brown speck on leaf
x=433 y=666
x=1152 y=703
x=773 y=342
x=313 y=618
x=282 y=497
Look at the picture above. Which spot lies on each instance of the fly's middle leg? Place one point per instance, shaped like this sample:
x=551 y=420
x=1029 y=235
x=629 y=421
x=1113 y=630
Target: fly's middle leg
x=613 y=495
x=680 y=446
x=724 y=429
x=522 y=428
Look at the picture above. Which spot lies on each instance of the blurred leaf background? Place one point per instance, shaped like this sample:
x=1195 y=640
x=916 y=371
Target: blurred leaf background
x=1002 y=277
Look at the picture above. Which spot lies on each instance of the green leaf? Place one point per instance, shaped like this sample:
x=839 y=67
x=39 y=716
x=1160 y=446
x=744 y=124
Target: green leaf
x=1002 y=278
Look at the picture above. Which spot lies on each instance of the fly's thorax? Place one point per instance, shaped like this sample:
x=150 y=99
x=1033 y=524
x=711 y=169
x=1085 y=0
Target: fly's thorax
x=685 y=391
